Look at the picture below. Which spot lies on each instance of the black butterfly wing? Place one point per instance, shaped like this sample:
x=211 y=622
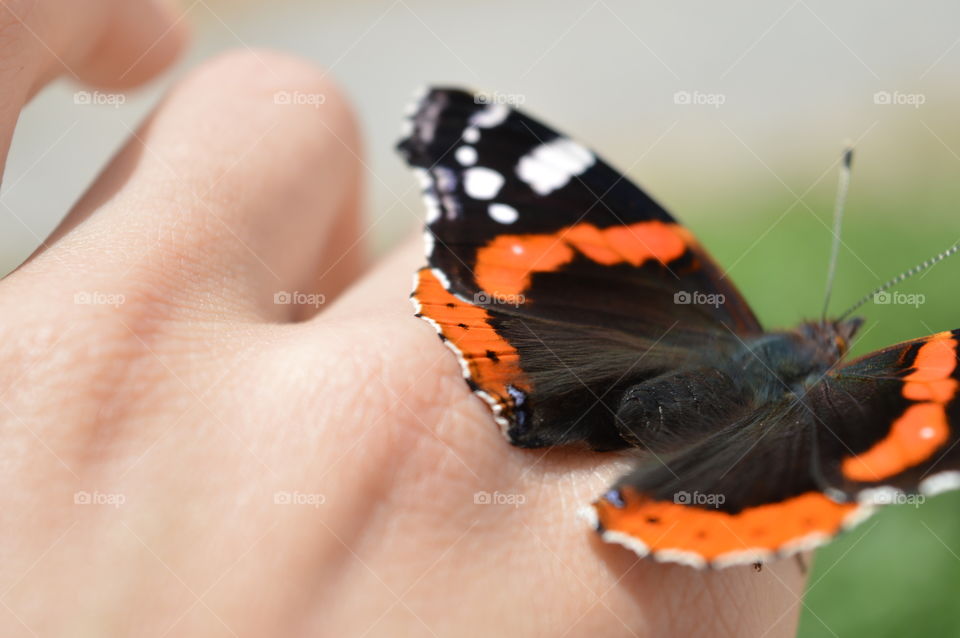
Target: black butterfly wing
x=795 y=472
x=556 y=280
x=892 y=422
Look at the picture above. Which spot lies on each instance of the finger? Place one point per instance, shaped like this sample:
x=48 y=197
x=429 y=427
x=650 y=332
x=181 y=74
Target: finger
x=109 y=43
x=239 y=192
x=142 y=39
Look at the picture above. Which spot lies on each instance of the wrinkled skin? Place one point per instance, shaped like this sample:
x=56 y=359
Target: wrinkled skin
x=182 y=412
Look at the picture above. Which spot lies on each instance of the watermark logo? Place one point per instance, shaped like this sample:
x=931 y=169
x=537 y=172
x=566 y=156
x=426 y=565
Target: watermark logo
x=883 y=496
x=697 y=298
x=113 y=499
x=903 y=499
x=97 y=298
x=98 y=98
x=898 y=98
x=699 y=498
x=512 y=99
x=311 y=499
x=296 y=298
x=699 y=98
x=494 y=299
x=893 y=298
x=299 y=98
x=498 y=498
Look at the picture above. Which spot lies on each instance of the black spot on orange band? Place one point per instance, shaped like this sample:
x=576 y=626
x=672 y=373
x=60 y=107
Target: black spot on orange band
x=493 y=364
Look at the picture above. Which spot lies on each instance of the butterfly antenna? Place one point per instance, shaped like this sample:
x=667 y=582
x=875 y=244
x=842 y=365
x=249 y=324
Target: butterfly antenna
x=842 y=188
x=949 y=252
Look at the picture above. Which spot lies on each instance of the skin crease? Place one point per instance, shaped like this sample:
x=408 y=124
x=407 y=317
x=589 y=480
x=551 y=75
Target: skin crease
x=198 y=399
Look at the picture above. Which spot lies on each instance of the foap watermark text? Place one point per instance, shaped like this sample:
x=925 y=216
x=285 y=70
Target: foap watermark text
x=296 y=298
x=697 y=298
x=111 y=499
x=99 y=98
x=499 y=498
x=496 y=299
x=894 y=298
x=98 y=298
x=899 y=98
x=699 y=98
x=699 y=498
x=299 y=98
x=311 y=499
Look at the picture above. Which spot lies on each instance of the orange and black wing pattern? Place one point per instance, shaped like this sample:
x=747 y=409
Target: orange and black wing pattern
x=488 y=361
x=551 y=274
x=793 y=474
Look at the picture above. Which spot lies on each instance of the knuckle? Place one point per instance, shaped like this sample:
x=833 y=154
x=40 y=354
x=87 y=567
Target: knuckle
x=75 y=373
x=91 y=338
x=308 y=116
x=273 y=79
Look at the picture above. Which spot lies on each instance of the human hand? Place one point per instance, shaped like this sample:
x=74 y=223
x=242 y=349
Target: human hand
x=187 y=453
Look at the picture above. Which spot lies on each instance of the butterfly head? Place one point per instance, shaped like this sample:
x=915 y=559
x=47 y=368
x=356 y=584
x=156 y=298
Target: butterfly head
x=831 y=338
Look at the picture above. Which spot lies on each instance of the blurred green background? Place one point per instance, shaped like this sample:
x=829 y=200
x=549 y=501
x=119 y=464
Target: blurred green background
x=898 y=573
x=754 y=176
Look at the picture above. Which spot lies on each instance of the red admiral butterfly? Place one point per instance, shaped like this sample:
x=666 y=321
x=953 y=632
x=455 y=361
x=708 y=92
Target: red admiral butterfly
x=582 y=312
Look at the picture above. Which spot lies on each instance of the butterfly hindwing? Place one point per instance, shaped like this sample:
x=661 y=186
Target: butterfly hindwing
x=794 y=473
x=890 y=420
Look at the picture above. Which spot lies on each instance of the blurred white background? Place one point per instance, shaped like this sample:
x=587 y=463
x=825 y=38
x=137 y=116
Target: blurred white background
x=795 y=77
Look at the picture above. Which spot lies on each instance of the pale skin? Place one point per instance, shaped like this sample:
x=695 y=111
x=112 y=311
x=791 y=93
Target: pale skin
x=188 y=410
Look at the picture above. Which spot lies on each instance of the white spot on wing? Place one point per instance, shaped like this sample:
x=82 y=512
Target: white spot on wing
x=482 y=183
x=634 y=544
x=503 y=213
x=416 y=99
x=466 y=155
x=742 y=557
x=588 y=513
x=471 y=135
x=491 y=116
x=680 y=556
x=804 y=543
x=433 y=207
x=942 y=482
x=428 y=243
x=429 y=195
x=423 y=176
x=442 y=278
x=551 y=165
x=882 y=495
x=857 y=516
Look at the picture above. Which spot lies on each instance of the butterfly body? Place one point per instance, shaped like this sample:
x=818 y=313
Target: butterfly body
x=796 y=360
x=582 y=313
